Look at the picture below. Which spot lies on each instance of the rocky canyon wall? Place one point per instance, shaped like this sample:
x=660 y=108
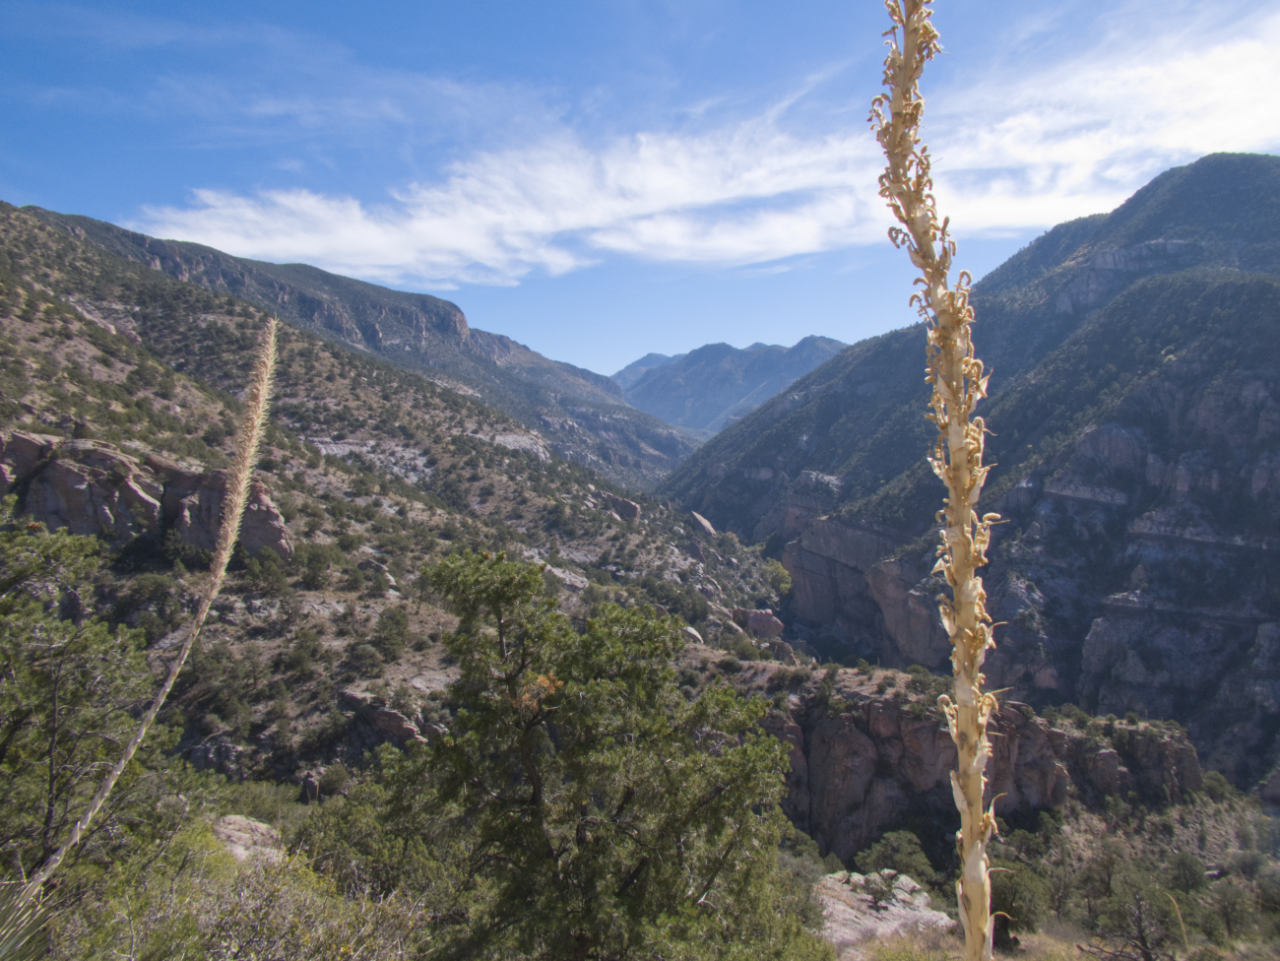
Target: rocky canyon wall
x=93 y=488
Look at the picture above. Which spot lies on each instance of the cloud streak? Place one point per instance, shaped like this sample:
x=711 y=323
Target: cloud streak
x=1021 y=148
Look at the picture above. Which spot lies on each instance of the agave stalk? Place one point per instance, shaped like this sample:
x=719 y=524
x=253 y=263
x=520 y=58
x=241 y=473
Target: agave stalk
x=237 y=495
x=958 y=382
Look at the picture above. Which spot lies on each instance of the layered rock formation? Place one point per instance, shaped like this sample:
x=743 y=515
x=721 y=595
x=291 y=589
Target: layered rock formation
x=863 y=763
x=93 y=488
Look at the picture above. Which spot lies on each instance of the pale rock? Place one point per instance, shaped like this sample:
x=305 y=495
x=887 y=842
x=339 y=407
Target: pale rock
x=853 y=921
x=910 y=610
x=764 y=624
x=625 y=509
x=575 y=582
x=248 y=840
x=701 y=525
x=379 y=567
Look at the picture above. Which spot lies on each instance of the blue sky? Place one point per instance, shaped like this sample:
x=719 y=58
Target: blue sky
x=603 y=179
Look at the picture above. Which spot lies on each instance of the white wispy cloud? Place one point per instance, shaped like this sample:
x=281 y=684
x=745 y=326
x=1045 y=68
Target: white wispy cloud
x=1025 y=146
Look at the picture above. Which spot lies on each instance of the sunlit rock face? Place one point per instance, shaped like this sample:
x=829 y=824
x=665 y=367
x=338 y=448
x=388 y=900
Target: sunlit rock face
x=865 y=762
x=93 y=488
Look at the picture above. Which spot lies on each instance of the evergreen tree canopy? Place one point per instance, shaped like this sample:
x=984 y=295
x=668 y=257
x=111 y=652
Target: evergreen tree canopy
x=611 y=816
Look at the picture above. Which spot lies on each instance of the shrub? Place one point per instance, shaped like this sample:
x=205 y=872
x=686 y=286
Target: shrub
x=1019 y=897
x=391 y=633
x=1216 y=787
x=899 y=851
x=365 y=660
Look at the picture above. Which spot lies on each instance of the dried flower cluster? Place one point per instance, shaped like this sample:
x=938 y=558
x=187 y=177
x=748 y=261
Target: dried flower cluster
x=958 y=382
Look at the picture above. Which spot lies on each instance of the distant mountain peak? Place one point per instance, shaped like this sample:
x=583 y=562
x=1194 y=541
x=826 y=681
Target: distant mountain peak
x=715 y=385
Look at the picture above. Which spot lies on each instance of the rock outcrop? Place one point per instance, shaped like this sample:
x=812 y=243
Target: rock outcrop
x=864 y=763
x=248 y=840
x=93 y=488
x=373 y=722
x=626 y=509
x=858 y=910
x=761 y=623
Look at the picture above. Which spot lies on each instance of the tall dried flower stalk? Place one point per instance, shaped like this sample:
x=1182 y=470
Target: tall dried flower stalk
x=236 y=497
x=958 y=383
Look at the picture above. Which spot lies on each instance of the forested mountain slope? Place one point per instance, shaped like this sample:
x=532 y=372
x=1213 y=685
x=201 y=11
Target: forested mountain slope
x=1135 y=422
x=582 y=413
x=351 y=693
x=118 y=401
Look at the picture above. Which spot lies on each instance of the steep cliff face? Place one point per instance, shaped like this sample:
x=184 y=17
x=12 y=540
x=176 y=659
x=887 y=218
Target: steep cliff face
x=1133 y=417
x=93 y=488
x=857 y=418
x=864 y=762
x=583 y=413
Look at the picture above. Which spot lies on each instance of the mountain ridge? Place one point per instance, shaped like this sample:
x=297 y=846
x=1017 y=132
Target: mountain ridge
x=583 y=413
x=1134 y=429
x=716 y=384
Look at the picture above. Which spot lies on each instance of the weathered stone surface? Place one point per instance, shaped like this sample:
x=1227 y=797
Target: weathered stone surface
x=853 y=919
x=829 y=563
x=93 y=488
x=21 y=451
x=246 y=839
x=574 y=582
x=218 y=754
x=380 y=568
x=374 y=723
x=877 y=761
x=761 y=623
x=625 y=509
x=909 y=607
x=810 y=496
x=701 y=525
x=264 y=525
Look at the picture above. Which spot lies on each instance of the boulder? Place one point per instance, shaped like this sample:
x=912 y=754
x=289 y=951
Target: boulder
x=574 y=582
x=380 y=568
x=860 y=910
x=761 y=623
x=764 y=624
x=625 y=509
x=701 y=525
x=264 y=525
x=246 y=839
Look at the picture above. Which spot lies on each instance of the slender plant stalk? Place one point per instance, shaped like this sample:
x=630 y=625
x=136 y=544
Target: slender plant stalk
x=233 y=506
x=958 y=383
